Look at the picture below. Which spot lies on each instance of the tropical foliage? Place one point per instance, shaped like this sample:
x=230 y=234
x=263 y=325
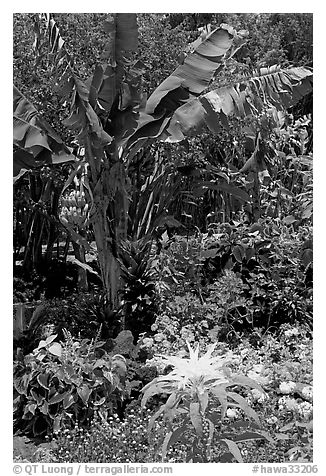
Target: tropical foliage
x=163 y=202
x=107 y=131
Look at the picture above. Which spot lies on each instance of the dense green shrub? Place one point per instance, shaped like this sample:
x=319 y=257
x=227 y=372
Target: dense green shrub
x=27 y=291
x=60 y=384
x=271 y=262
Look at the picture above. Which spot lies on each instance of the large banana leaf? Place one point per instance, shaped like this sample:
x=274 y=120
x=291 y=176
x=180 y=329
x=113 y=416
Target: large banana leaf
x=83 y=118
x=36 y=141
x=273 y=86
x=193 y=76
x=188 y=81
x=107 y=79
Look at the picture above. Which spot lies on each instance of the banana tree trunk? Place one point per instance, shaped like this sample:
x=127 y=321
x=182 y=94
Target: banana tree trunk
x=105 y=237
x=82 y=282
x=110 y=270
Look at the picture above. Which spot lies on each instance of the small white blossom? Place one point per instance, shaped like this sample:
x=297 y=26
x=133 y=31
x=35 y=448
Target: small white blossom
x=159 y=337
x=156 y=362
x=187 y=334
x=147 y=342
x=258 y=368
x=307 y=392
x=287 y=387
x=258 y=396
x=291 y=404
x=291 y=332
x=281 y=402
x=272 y=420
x=244 y=352
x=305 y=410
x=287 y=403
x=232 y=413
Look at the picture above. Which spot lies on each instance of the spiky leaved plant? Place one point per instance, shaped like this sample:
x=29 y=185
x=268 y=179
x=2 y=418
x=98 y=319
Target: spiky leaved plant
x=200 y=390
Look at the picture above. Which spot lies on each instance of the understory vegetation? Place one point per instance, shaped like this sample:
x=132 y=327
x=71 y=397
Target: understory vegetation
x=163 y=254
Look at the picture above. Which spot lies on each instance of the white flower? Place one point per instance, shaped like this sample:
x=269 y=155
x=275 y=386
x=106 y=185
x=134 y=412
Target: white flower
x=187 y=334
x=244 y=352
x=291 y=404
x=232 y=413
x=307 y=392
x=156 y=362
x=281 y=402
x=288 y=403
x=258 y=368
x=305 y=409
x=272 y=420
x=287 y=387
x=159 y=337
x=195 y=375
x=258 y=396
x=147 y=342
x=291 y=332
x=195 y=368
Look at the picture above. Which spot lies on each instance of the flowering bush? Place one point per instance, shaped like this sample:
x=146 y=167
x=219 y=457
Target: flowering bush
x=205 y=318
x=284 y=370
x=303 y=409
x=272 y=262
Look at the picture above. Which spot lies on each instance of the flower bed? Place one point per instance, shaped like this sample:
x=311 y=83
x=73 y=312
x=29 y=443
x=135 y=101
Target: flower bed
x=281 y=366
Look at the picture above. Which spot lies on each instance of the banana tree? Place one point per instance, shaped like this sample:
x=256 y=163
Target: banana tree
x=114 y=122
